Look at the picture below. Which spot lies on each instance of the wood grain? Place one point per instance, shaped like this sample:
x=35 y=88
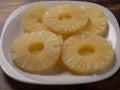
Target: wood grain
x=6 y=83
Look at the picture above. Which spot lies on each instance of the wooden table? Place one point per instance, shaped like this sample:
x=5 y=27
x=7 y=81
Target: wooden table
x=6 y=83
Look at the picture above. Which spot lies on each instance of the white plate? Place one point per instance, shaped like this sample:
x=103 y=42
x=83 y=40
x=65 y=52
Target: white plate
x=12 y=29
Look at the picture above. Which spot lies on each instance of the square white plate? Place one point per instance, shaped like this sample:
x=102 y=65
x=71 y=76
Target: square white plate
x=13 y=29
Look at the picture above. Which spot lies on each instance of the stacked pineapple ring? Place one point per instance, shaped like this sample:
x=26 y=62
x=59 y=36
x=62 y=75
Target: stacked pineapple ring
x=32 y=20
x=65 y=19
x=36 y=52
x=84 y=50
x=87 y=54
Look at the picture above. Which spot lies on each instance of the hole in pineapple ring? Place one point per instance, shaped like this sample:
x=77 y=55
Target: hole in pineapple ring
x=64 y=16
x=86 y=50
x=39 y=20
x=36 y=48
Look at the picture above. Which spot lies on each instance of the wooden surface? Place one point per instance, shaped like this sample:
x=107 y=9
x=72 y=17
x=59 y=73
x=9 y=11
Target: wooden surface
x=6 y=83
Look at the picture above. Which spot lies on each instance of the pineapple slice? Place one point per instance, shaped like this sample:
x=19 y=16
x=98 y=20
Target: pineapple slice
x=64 y=19
x=87 y=54
x=36 y=52
x=97 y=21
x=32 y=20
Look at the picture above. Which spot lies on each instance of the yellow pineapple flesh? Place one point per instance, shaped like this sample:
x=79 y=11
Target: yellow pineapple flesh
x=97 y=21
x=32 y=19
x=64 y=19
x=36 y=52
x=87 y=54
x=42 y=51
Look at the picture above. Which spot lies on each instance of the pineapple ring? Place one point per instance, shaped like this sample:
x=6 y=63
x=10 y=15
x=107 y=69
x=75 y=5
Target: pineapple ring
x=32 y=20
x=64 y=19
x=36 y=52
x=87 y=54
x=97 y=21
